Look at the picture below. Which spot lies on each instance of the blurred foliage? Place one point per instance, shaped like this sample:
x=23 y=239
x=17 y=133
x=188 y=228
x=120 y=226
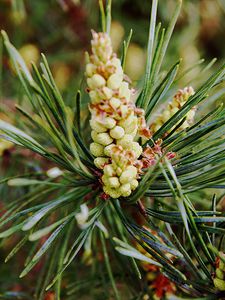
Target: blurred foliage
x=61 y=28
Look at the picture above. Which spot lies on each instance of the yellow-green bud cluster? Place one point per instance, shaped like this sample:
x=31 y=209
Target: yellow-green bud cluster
x=219 y=280
x=179 y=99
x=114 y=122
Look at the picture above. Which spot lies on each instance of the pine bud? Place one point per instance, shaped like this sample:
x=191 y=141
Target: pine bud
x=119 y=171
x=106 y=93
x=134 y=184
x=109 y=123
x=115 y=102
x=114 y=193
x=125 y=190
x=94 y=97
x=125 y=141
x=95 y=125
x=113 y=182
x=136 y=148
x=96 y=149
x=90 y=69
x=94 y=135
x=117 y=132
x=124 y=91
x=108 y=150
x=132 y=129
x=104 y=139
x=105 y=179
x=117 y=64
x=115 y=81
x=127 y=121
x=96 y=81
x=100 y=162
x=124 y=111
x=109 y=170
x=128 y=175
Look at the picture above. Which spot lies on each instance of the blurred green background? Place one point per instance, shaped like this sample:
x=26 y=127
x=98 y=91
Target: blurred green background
x=61 y=30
